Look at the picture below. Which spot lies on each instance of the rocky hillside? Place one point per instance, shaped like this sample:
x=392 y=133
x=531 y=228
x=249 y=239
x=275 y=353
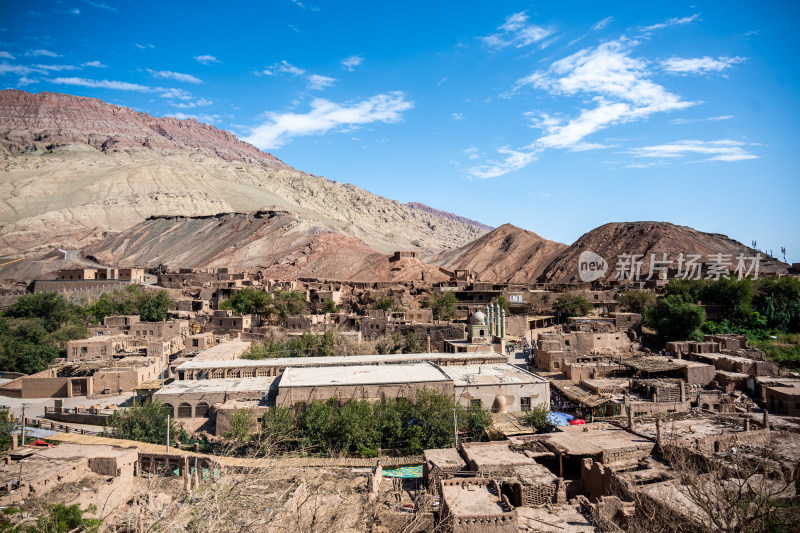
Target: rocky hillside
x=506 y=254
x=614 y=239
x=449 y=216
x=33 y=122
x=75 y=171
x=277 y=242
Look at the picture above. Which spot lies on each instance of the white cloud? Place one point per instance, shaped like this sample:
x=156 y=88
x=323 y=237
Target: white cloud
x=200 y=102
x=284 y=67
x=514 y=160
x=20 y=70
x=617 y=84
x=43 y=53
x=177 y=76
x=143 y=46
x=181 y=94
x=57 y=68
x=471 y=153
x=24 y=80
x=723 y=150
x=699 y=65
x=207 y=59
x=101 y=6
x=6 y=55
x=317 y=82
x=458 y=116
x=95 y=64
x=676 y=21
x=602 y=24
x=678 y=121
x=75 y=11
x=517 y=32
x=326 y=116
x=101 y=84
x=350 y=63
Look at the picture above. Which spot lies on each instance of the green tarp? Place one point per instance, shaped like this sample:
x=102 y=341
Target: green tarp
x=404 y=472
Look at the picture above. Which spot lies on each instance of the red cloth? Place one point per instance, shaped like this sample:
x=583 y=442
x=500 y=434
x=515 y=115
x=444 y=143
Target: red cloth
x=576 y=422
x=41 y=443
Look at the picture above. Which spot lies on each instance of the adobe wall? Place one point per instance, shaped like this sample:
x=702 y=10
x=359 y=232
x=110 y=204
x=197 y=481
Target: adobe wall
x=503 y=397
x=597 y=479
x=223 y=417
x=289 y=396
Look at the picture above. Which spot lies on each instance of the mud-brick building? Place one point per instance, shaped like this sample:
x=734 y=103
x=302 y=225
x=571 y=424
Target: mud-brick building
x=476 y=505
x=367 y=382
x=498 y=387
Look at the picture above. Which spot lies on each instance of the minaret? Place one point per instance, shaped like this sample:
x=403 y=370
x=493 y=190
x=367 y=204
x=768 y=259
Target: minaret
x=497 y=319
x=490 y=319
x=502 y=323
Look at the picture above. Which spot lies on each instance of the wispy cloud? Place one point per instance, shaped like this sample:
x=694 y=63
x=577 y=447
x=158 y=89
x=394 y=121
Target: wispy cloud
x=143 y=46
x=200 y=102
x=283 y=67
x=43 y=53
x=618 y=86
x=5 y=55
x=75 y=11
x=19 y=70
x=602 y=24
x=723 y=150
x=57 y=68
x=95 y=64
x=471 y=153
x=458 y=116
x=318 y=82
x=101 y=5
x=177 y=76
x=516 y=31
x=699 y=65
x=326 y=116
x=301 y=5
x=206 y=59
x=676 y=21
x=678 y=121
x=101 y=84
x=350 y=63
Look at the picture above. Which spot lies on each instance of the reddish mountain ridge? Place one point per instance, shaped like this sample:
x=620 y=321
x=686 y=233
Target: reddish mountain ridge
x=507 y=254
x=35 y=121
x=617 y=238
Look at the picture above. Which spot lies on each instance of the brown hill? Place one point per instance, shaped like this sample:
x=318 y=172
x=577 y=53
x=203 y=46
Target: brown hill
x=75 y=171
x=507 y=254
x=31 y=122
x=280 y=244
x=616 y=238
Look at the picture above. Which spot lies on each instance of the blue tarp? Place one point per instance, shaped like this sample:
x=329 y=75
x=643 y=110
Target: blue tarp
x=559 y=419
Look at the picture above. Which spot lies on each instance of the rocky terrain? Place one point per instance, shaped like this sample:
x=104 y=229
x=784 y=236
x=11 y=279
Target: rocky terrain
x=278 y=243
x=507 y=254
x=611 y=240
x=75 y=171
x=450 y=216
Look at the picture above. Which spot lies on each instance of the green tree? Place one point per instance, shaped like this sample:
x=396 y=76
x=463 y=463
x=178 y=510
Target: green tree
x=637 y=301
x=443 y=305
x=568 y=305
x=288 y=303
x=537 y=417
x=248 y=301
x=329 y=306
x=413 y=344
x=143 y=422
x=7 y=425
x=502 y=301
x=674 y=319
x=387 y=304
x=52 y=308
x=241 y=421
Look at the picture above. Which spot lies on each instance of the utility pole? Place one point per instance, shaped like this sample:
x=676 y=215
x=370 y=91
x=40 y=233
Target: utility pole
x=23 y=426
x=167 y=433
x=455 y=426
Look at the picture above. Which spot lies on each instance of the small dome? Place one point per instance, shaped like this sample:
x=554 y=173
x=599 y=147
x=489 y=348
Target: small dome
x=477 y=318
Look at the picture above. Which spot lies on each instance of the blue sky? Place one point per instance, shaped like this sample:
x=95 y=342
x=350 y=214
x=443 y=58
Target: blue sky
x=556 y=117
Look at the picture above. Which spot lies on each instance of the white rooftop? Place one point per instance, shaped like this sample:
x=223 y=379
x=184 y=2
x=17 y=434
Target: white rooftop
x=361 y=375
x=216 y=385
x=332 y=361
x=491 y=374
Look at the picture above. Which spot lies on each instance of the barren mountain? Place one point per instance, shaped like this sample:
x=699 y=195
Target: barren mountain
x=617 y=238
x=74 y=171
x=450 y=216
x=280 y=244
x=507 y=254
